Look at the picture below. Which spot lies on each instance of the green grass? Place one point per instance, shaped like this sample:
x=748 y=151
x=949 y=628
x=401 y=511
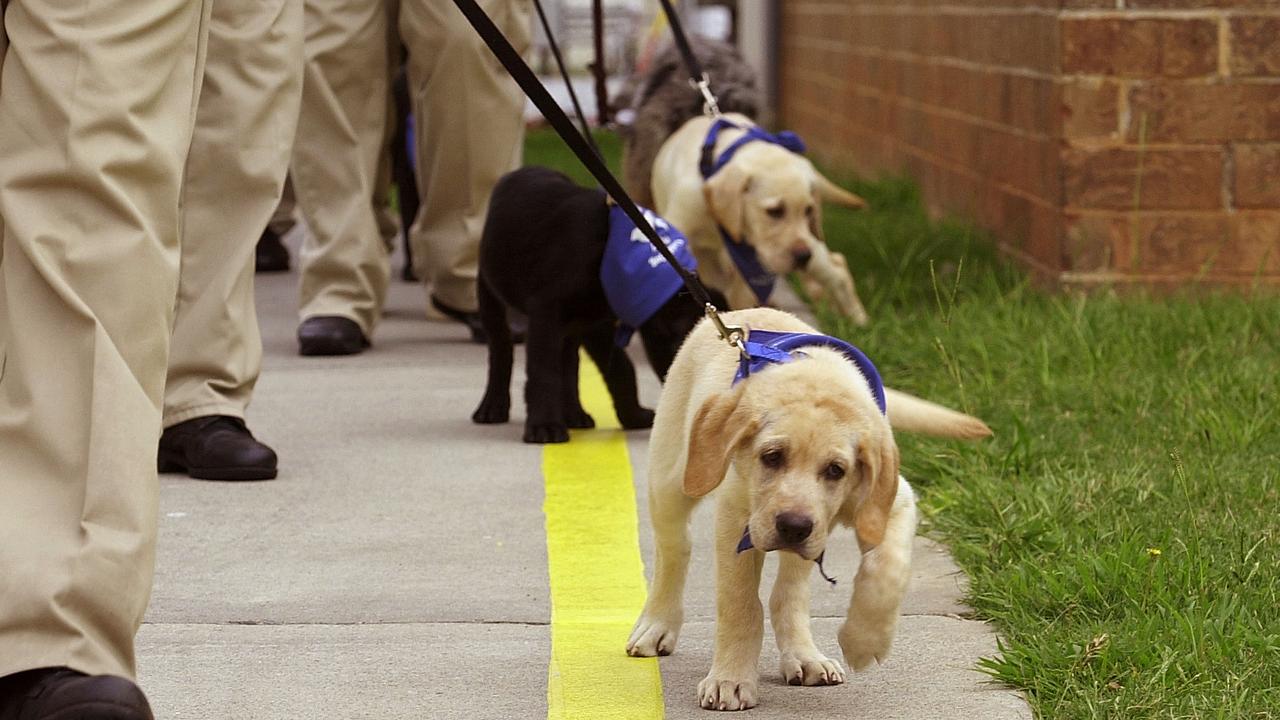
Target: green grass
x=544 y=147
x=1122 y=528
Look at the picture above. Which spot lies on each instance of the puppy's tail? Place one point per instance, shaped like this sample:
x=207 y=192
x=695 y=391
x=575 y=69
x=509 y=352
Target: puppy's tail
x=912 y=414
x=835 y=194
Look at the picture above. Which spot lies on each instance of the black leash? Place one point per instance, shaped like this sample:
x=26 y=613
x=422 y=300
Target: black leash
x=564 y=74
x=525 y=78
x=597 y=67
x=697 y=76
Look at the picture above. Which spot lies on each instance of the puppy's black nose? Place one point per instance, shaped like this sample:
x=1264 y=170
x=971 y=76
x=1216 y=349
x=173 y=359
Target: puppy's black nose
x=793 y=527
x=801 y=256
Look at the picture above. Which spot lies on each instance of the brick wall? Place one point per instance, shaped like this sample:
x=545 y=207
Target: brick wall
x=1101 y=140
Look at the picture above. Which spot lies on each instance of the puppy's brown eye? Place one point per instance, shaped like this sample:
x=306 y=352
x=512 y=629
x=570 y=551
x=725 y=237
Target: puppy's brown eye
x=833 y=472
x=808 y=211
x=776 y=212
x=772 y=459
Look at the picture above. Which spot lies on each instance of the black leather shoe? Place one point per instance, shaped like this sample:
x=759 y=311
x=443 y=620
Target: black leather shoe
x=330 y=335
x=519 y=326
x=64 y=694
x=270 y=256
x=215 y=447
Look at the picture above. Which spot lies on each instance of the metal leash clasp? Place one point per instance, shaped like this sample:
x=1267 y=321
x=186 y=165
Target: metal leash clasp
x=709 y=106
x=732 y=334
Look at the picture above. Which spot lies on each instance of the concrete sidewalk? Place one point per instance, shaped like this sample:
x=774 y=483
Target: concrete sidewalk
x=398 y=566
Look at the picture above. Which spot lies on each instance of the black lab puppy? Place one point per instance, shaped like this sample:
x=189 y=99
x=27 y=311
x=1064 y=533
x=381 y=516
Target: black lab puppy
x=541 y=254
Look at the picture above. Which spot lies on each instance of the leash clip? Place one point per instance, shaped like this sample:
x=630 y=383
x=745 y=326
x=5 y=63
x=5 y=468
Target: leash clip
x=709 y=106
x=731 y=334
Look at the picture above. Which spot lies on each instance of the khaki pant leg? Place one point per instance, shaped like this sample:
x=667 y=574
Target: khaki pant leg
x=469 y=130
x=249 y=103
x=96 y=111
x=341 y=140
x=282 y=219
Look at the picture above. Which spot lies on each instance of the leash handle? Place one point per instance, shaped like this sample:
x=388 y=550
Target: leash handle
x=528 y=82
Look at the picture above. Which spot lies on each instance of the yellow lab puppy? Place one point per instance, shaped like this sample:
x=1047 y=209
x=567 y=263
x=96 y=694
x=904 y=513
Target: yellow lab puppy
x=766 y=197
x=795 y=449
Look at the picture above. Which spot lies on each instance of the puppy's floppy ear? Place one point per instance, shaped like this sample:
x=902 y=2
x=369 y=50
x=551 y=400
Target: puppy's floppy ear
x=815 y=219
x=879 y=459
x=725 y=195
x=718 y=427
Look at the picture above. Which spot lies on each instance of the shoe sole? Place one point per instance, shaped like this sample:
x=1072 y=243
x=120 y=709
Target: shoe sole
x=234 y=474
x=99 y=711
x=327 y=350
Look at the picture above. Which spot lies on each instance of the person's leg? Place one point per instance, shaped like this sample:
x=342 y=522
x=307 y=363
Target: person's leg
x=402 y=173
x=270 y=254
x=336 y=162
x=469 y=130
x=282 y=218
x=96 y=108
x=252 y=85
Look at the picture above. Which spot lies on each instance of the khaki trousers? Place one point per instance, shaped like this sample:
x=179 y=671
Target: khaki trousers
x=282 y=219
x=96 y=108
x=469 y=131
x=245 y=124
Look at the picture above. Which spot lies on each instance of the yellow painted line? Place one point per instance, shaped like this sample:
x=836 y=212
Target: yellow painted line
x=597 y=576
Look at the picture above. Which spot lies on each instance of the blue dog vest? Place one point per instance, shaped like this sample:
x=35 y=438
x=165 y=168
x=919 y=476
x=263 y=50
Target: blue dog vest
x=743 y=255
x=637 y=280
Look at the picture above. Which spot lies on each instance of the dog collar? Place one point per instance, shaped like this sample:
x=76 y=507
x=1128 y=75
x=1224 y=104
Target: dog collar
x=765 y=348
x=743 y=254
x=745 y=544
x=637 y=280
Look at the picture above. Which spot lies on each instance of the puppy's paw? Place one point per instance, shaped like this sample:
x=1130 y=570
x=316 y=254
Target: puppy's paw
x=653 y=636
x=542 y=433
x=638 y=418
x=865 y=643
x=716 y=692
x=810 y=668
x=491 y=412
x=578 y=419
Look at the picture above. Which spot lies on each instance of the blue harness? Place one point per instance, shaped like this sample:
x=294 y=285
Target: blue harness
x=765 y=348
x=637 y=280
x=743 y=255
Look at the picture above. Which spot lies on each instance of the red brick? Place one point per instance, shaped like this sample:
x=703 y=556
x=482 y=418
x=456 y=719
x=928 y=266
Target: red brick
x=1037 y=157
x=1198 y=4
x=1090 y=109
x=1035 y=227
x=1139 y=47
x=1204 y=113
x=1016 y=4
x=1257 y=176
x=1028 y=164
x=1132 y=179
x=1176 y=247
x=1255 y=244
x=1255 y=46
x=1179 y=244
x=1091 y=243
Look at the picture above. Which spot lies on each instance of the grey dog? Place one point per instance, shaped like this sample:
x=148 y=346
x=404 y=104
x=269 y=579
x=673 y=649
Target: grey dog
x=661 y=100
